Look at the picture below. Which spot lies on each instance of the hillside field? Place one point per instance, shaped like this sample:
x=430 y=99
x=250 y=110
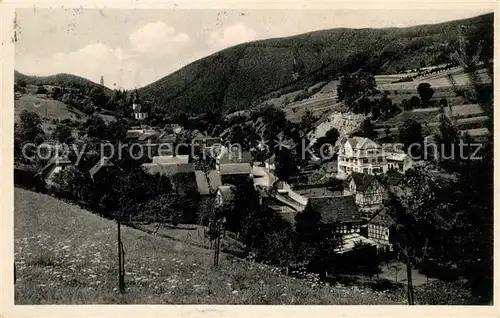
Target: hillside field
x=46 y=108
x=65 y=255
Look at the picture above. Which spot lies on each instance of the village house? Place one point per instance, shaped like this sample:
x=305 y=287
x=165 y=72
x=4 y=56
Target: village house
x=53 y=167
x=341 y=210
x=182 y=175
x=360 y=154
x=316 y=190
x=171 y=159
x=378 y=229
x=397 y=159
x=140 y=112
x=104 y=164
x=367 y=190
x=270 y=163
x=225 y=196
x=235 y=173
x=234 y=155
x=207 y=184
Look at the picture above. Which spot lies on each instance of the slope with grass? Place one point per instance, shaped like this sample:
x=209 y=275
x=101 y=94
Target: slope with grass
x=46 y=107
x=65 y=255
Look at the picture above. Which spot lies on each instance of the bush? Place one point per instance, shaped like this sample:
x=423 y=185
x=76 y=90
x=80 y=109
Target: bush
x=41 y=90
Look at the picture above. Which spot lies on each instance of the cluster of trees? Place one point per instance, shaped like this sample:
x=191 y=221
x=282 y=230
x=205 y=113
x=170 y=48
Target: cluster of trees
x=445 y=219
x=131 y=196
x=87 y=99
x=27 y=131
x=355 y=86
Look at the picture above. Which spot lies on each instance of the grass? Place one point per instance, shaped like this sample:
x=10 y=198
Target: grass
x=46 y=107
x=65 y=255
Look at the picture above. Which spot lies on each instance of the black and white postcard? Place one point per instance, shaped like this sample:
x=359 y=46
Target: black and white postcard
x=248 y=154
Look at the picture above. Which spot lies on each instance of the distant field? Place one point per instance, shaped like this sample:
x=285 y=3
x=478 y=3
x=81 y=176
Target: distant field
x=318 y=105
x=419 y=116
x=436 y=80
x=65 y=255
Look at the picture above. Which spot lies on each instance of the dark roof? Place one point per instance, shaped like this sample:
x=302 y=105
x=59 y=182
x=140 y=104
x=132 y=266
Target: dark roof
x=25 y=167
x=317 y=192
x=168 y=169
x=361 y=180
x=336 y=209
x=235 y=168
x=382 y=217
x=131 y=134
x=362 y=143
x=166 y=138
x=236 y=157
x=149 y=135
x=55 y=161
x=103 y=162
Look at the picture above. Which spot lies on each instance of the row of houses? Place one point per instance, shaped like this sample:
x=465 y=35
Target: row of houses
x=354 y=223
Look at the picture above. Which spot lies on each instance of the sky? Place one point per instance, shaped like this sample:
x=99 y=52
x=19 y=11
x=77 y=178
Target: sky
x=131 y=48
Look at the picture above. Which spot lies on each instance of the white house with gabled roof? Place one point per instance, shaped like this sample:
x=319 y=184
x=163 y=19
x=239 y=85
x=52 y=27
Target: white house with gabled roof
x=360 y=154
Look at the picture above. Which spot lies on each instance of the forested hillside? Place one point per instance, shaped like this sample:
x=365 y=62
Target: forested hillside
x=238 y=77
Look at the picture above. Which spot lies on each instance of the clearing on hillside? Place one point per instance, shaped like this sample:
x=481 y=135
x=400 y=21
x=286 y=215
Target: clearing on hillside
x=46 y=107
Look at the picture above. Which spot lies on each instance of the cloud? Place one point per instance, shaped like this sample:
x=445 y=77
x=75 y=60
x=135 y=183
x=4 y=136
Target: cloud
x=232 y=35
x=153 y=51
x=90 y=62
x=158 y=36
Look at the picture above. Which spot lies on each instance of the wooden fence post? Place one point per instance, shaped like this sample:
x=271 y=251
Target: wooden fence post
x=121 y=261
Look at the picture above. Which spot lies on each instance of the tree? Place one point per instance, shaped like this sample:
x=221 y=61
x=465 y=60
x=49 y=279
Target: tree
x=410 y=135
x=425 y=92
x=62 y=133
x=447 y=139
x=414 y=102
x=29 y=129
x=424 y=217
x=355 y=85
x=367 y=129
x=97 y=96
x=21 y=83
x=56 y=93
x=443 y=102
x=307 y=121
x=73 y=184
x=315 y=241
x=41 y=90
x=473 y=242
x=117 y=130
x=286 y=164
x=162 y=209
x=96 y=127
x=326 y=143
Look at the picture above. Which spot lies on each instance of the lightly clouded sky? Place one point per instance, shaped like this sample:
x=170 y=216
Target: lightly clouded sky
x=132 y=48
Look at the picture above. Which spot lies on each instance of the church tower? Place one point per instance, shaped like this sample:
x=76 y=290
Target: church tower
x=102 y=80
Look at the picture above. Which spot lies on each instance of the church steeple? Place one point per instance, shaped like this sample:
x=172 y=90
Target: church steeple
x=102 y=80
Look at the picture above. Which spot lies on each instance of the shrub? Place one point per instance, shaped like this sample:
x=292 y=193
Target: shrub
x=41 y=90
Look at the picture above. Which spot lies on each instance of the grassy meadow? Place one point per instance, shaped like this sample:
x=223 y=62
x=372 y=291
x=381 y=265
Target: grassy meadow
x=65 y=255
